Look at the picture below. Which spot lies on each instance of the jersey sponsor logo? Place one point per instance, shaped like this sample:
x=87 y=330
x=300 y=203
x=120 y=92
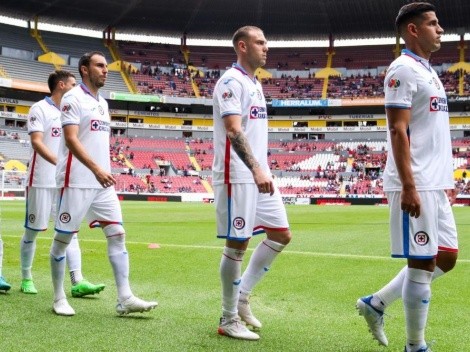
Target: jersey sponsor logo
x=394 y=83
x=65 y=218
x=421 y=238
x=66 y=107
x=56 y=131
x=239 y=223
x=258 y=112
x=31 y=218
x=100 y=110
x=438 y=104
x=228 y=80
x=32 y=120
x=99 y=125
x=227 y=95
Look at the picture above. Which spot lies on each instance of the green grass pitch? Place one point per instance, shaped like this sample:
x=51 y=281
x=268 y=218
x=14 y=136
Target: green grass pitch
x=306 y=302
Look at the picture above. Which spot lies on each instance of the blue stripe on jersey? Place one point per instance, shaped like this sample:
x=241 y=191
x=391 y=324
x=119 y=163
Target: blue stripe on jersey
x=227 y=113
x=398 y=106
x=406 y=233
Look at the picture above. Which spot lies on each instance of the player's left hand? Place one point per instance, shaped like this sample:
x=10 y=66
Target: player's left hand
x=451 y=195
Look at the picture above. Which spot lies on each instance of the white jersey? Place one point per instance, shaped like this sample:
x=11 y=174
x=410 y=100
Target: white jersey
x=237 y=94
x=80 y=107
x=44 y=116
x=411 y=83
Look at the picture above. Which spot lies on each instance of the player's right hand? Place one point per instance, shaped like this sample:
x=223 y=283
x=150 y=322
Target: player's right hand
x=264 y=182
x=105 y=179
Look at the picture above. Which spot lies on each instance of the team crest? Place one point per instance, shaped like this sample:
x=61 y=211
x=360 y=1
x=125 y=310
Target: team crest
x=421 y=238
x=438 y=104
x=31 y=218
x=239 y=223
x=394 y=83
x=56 y=131
x=258 y=112
x=64 y=218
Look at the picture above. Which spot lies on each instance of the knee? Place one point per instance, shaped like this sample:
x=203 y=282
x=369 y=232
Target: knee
x=446 y=261
x=115 y=231
x=282 y=237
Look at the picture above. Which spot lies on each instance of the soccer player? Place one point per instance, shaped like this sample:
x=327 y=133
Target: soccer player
x=4 y=285
x=87 y=185
x=246 y=199
x=418 y=178
x=44 y=129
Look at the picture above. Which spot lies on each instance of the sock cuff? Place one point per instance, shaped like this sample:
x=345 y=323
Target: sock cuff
x=275 y=246
x=419 y=275
x=234 y=254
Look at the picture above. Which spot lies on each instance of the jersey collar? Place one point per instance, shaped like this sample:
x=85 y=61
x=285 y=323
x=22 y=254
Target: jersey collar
x=419 y=59
x=242 y=70
x=51 y=102
x=87 y=91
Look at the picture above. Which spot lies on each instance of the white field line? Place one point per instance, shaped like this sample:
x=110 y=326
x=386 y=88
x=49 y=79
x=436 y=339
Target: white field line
x=219 y=248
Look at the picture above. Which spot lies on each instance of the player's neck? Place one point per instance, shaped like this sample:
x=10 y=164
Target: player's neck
x=247 y=68
x=91 y=88
x=417 y=50
x=56 y=97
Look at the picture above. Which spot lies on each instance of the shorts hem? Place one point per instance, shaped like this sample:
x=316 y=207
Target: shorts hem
x=65 y=232
x=420 y=257
x=33 y=229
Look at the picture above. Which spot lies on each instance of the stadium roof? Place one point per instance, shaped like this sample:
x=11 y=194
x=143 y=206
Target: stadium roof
x=217 y=19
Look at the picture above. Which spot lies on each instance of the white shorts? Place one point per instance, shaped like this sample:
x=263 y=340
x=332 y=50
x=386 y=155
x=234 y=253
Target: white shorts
x=96 y=205
x=242 y=211
x=423 y=237
x=40 y=207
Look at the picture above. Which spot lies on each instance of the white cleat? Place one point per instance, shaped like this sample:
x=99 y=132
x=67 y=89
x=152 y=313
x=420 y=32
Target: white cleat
x=374 y=319
x=62 y=307
x=234 y=328
x=244 y=311
x=134 y=305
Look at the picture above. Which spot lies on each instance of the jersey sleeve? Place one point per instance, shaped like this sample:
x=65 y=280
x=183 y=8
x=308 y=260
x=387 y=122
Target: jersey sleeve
x=69 y=110
x=35 y=119
x=229 y=93
x=400 y=86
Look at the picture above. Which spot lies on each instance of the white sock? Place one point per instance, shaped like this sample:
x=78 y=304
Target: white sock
x=259 y=264
x=1 y=256
x=394 y=289
x=119 y=260
x=27 y=251
x=74 y=260
x=58 y=249
x=230 y=272
x=416 y=297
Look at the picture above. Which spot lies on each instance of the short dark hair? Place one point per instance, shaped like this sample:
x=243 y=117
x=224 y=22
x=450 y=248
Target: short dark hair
x=410 y=12
x=58 y=76
x=85 y=60
x=242 y=33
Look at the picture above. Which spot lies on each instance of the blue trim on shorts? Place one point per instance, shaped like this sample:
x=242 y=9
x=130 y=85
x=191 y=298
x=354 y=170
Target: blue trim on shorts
x=26 y=210
x=233 y=238
x=420 y=257
x=30 y=228
x=62 y=232
x=406 y=234
x=229 y=208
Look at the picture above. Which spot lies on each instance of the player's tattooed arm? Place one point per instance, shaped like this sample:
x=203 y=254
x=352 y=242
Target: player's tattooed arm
x=242 y=148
